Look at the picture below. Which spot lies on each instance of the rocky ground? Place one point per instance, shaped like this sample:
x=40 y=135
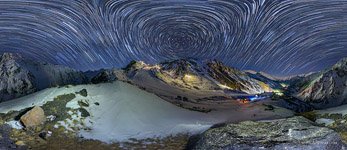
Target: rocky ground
x=290 y=133
x=334 y=120
x=21 y=140
x=5 y=140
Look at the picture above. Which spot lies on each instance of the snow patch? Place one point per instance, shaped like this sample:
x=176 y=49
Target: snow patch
x=15 y=124
x=325 y=121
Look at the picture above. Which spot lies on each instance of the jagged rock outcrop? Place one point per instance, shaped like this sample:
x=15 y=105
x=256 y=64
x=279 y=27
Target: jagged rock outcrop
x=290 y=133
x=235 y=79
x=104 y=76
x=108 y=75
x=20 y=76
x=329 y=89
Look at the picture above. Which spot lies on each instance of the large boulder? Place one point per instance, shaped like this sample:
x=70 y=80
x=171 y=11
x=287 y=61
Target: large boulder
x=34 y=117
x=291 y=133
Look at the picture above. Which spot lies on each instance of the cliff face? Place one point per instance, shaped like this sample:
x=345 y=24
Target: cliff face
x=329 y=89
x=20 y=76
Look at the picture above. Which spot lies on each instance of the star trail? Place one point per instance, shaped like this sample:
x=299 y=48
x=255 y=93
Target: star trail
x=276 y=36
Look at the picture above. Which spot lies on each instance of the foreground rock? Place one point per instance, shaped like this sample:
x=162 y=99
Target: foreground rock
x=291 y=133
x=34 y=117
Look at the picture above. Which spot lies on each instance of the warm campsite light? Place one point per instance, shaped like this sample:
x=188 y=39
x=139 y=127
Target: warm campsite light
x=284 y=85
x=278 y=92
x=223 y=86
x=189 y=78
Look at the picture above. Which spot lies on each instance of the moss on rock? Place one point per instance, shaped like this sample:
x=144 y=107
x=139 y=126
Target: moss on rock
x=57 y=107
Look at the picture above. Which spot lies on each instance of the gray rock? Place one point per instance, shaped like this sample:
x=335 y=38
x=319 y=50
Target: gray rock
x=291 y=133
x=103 y=77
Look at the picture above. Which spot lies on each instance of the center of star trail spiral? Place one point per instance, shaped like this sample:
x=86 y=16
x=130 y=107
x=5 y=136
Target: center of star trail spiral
x=276 y=36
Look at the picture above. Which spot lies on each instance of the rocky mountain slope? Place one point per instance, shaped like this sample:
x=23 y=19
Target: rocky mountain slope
x=327 y=88
x=20 y=76
x=192 y=74
x=273 y=82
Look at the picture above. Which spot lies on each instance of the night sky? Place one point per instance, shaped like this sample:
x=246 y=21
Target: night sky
x=275 y=36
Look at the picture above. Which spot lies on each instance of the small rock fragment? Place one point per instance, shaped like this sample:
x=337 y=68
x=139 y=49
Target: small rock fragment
x=20 y=143
x=43 y=135
x=51 y=117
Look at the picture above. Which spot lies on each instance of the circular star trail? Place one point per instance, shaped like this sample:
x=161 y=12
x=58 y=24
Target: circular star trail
x=276 y=36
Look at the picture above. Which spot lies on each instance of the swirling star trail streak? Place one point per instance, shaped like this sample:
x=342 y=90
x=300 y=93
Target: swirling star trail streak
x=276 y=36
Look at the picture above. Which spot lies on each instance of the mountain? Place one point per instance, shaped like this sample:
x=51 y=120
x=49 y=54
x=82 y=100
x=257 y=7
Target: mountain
x=190 y=74
x=235 y=79
x=187 y=82
x=20 y=76
x=299 y=83
x=327 y=88
x=273 y=82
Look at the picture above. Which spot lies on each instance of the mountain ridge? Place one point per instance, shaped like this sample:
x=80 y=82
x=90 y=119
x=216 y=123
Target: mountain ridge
x=327 y=88
x=21 y=76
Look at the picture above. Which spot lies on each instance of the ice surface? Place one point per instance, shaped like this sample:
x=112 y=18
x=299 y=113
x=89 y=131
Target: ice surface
x=128 y=112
